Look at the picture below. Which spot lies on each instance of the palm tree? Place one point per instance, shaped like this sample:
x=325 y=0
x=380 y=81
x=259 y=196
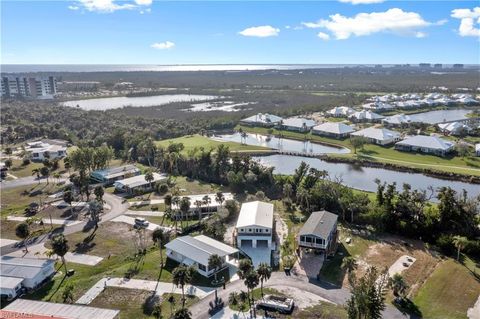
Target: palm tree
x=176 y=202
x=168 y=201
x=149 y=177
x=22 y=231
x=60 y=247
x=171 y=301
x=68 y=198
x=398 y=285
x=157 y=310
x=244 y=267
x=160 y=237
x=251 y=281
x=95 y=208
x=182 y=314
x=303 y=197
x=459 y=242
x=219 y=198
x=99 y=192
x=182 y=275
x=215 y=262
x=207 y=200
x=349 y=264
x=36 y=171
x=198 y=204
x=264 y=273
x=184 y=208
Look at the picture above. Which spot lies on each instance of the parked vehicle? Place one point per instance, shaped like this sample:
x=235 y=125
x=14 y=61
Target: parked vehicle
x=276 y=303
x=141 y=223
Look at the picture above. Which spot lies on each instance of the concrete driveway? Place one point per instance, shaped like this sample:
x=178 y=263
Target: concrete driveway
x=258 y=255
x=309 y=264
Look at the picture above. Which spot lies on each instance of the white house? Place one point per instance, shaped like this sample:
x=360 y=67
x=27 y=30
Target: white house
x=454 y=128
x=319 y=232
x=366 y=116
x=260 y=119
x=340 y=111
x=41 y=150
x=333 y=129
x=380 y=136
x=298 y=124
x=112 y=174
x=137 y=183
x=208 y=203
x=255 y=225
x=397 y=119
x=426 y=144
x=195 y=251
x=477 y=149
x=32 y=271
x=10 y=287
x=378 y=106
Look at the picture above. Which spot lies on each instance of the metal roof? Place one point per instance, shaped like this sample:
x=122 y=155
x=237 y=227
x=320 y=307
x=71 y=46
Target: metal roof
x=429 y=142
x=116 y=171
x=255 y=214
x=9 y=282
x=199 y=248
x=319 y=224
x=334 y=127
x=299 y=122
x=60 y=310
x=380 y=134
x=139 y=180
x=20 y=271
x=32 y=262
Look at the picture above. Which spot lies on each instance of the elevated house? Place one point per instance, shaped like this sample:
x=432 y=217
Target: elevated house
x=380 y=136
x=137 y=183
x=109 y=175
x=195 y=251
x=263 y=120
x=333 y=129
x=298 y=124
x=319 y=233
x=426 y=144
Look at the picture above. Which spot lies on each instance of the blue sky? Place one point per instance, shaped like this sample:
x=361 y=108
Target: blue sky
x=142 y=32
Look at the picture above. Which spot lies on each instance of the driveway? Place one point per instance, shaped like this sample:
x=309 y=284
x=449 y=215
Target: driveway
x=258 y=255
x=309 y=264
x=23 y=181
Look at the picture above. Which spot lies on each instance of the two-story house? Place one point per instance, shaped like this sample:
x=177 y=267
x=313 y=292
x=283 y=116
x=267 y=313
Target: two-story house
x=319 y=232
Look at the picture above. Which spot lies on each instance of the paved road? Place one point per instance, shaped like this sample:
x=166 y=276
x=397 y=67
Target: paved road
x=23 y=181
x=279 y=279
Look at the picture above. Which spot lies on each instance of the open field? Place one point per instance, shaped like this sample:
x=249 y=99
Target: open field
x=467 y=165
x=196 y=141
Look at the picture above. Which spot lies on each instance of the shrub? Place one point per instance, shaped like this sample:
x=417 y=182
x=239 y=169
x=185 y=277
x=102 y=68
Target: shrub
x=25 y=161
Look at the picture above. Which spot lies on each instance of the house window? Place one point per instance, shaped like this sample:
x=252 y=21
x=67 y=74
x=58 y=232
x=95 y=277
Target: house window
x=308 y=239
x=35 y=154
x=319 y=241
x=249 y=230
x=302 y=238
x=202 y=267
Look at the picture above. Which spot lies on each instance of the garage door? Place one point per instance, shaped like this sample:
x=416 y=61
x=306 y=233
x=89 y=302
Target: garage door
x=247 y=243
x=262 y=243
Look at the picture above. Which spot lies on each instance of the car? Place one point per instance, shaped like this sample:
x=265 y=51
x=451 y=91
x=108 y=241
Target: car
x=276 y=303
x=141 y=223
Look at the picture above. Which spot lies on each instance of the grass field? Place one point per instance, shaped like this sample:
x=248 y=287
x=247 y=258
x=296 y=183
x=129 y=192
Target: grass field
x=468 y=165
x=196 y=141
x=448 y=292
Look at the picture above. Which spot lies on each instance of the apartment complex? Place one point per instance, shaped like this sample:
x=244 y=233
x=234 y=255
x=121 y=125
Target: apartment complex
x=40 y=87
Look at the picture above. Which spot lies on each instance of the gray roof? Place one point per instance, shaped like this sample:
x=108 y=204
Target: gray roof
x=430 y=142
x=112 y=172
x=199 y=248
x=298 y=122
x=263 y=118
x=20 y=271
x=381 y=134
x=255 y=214
x=139 y=180
x=10 y=282
x=334 y=127
x=319 y=224
x=60 y=310
x=33 y=262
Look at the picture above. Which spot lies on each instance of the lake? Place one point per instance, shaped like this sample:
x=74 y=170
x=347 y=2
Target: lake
x=108 y=103
x=283 y=144
x=363 y=178
x=440 y=116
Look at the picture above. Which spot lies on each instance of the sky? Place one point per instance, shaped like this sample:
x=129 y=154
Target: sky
x=235 y=32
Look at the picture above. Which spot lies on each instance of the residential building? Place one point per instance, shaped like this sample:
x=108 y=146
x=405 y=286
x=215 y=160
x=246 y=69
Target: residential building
x=208 y=203
x=260 y=119
x=454 y=128
x=43 y=87
x=23 y=308
x=340 y=111
x=78 y=86
x=319 y=232
x=137 y=183
x=32 y=271
x=195 y=251
x=378 y=106
x=477 y=149
x=333 y=129
x=365 y=116
x=10 y=287
x=426 y=144
x=380 y=136
x=109 y=175
x=298 y=124
x=397 y=120
x=255 y=225
x=41 y=150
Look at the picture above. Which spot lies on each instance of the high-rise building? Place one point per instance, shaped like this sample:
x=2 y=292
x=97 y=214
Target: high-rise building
x=44 y=87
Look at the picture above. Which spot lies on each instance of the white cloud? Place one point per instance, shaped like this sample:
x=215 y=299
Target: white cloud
x=393 y=20
x=323 y=36
x=163 y=45
x=469 y=21
x=108 y=6
x=420 y=35
x=362 y=1
x=260 y=31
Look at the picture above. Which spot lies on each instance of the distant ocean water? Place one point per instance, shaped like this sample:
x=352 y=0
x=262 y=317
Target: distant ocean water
x=25 y=68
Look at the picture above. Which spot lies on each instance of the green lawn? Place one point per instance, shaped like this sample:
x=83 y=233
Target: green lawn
x=448 y=292
x=196 y=141
x=323 y=310
x=193 y=187
x=468 y=165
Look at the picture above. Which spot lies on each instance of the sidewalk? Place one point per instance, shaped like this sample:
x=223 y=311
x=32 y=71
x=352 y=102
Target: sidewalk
x=65 y=222
x=144 y=213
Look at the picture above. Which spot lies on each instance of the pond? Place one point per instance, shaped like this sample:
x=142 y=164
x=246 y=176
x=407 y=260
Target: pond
x=440 y=116
x=363 y=178
x=108 y=103
x=283 y=144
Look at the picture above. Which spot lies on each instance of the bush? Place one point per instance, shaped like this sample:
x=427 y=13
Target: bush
x=445 y=243
x=26 y=161
x=162 y=188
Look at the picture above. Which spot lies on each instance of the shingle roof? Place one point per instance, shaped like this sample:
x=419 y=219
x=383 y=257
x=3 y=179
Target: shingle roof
x=380 y=134
x=430 y=142
x=255 y=214
x=199 y=248
x=334 y=127
x=60 y=310
x=319 y=224
x=298 y=122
